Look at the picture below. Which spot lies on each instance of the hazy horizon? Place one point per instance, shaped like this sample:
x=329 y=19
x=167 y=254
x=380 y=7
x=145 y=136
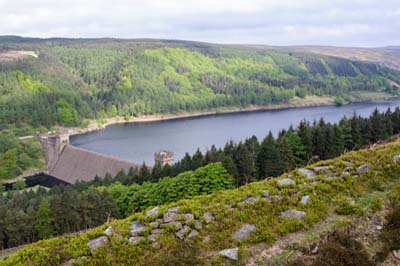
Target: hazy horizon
x=361 y=23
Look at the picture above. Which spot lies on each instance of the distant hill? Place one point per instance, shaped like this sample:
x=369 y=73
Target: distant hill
x=392 y=47
x=45 y=82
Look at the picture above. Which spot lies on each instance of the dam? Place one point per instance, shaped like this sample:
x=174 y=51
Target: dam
x=72 y=164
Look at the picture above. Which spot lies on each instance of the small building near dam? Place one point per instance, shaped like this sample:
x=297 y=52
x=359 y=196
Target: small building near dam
x=71 y=164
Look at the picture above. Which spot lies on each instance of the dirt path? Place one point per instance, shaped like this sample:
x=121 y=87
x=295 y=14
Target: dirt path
x=262 y=253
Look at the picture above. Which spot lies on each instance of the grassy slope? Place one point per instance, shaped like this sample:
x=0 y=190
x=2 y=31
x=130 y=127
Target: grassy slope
x=271 y=227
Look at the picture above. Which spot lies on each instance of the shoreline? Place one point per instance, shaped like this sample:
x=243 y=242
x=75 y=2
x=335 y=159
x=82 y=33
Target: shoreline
x=166 y=117
x=93 y=127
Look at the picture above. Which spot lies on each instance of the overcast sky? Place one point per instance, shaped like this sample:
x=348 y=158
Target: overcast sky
x=275 y=22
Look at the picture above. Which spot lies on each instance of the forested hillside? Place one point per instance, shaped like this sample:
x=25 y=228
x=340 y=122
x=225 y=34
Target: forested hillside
x=45 y=82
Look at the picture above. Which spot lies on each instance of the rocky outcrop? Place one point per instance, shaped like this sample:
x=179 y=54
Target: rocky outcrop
x=396 y=158
x=136 y=228
x=97 y=243
x=76 y=261
x=396 y=254
x=136 y=239
x=265 y=193
x=208 y=217
x=250 y=200
x=230 y=253
x=244 y=232
x=152 y=212
x=309 y=174
x=108 y=231
x=305 y=199
x=285 y=182
x=364 y=169
x=294 y=214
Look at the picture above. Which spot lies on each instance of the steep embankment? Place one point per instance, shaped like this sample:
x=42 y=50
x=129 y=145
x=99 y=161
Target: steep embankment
x=272 y=221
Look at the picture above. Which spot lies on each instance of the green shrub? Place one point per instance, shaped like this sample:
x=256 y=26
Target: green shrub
x=376 y=204
x=346 y=207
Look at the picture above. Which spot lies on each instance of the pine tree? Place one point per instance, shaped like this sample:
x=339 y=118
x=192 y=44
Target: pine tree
x=269 y=159
x=144 y=174
x=156 y=172
x=286 y=153
x=245 y=166
x=305 y=134
x=44 y=220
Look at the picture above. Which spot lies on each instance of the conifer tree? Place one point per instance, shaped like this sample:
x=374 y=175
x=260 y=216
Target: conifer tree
x=44 y=220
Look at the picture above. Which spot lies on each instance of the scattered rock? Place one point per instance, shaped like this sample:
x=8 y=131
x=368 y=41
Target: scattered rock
x=208 y=217
x=305 y=199
x=173 y=210
x=177 y=225
x=294 y=214
x=155 y=224
x=285 y=182
x=108 y=231
x=97 y=243
x=152 y=212
x=244 y=231
x=396 y=158
x=396 y=254
x=229 y=207
x=345 y=173
x=230 y=253
x=250 y=200
x=136 y=228
x=152 y=238
x=320 y=169
x=348 y=164
x=188 y=217
x=314 y=250
x=307 y=172
x=73 y=262
x=193 y=234
x=170 y=217
x=157 y=231
x=276 y=199
x=136 y=239
x=265 y=193
x=198 y=225
x=379 y=227
x=364 y=169
x=181 y=233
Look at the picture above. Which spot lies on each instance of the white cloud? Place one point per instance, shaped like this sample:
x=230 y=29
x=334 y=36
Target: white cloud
x=275 y=22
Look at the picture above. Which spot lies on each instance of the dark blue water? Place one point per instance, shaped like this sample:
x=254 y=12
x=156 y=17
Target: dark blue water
x=139 y=141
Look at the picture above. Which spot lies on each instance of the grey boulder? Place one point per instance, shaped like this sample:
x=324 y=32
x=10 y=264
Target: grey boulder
x=294 y=214
x=97 y=243
x=285 y=182
x=363 y=169
x=307 y=172
x=244 y=231
x=136 y=228
x=231 y=253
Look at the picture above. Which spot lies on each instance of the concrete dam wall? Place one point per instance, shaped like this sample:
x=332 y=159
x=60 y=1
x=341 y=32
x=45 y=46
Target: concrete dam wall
x=71 y=164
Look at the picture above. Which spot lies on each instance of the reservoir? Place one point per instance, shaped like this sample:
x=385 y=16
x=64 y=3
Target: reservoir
x=139 y=141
